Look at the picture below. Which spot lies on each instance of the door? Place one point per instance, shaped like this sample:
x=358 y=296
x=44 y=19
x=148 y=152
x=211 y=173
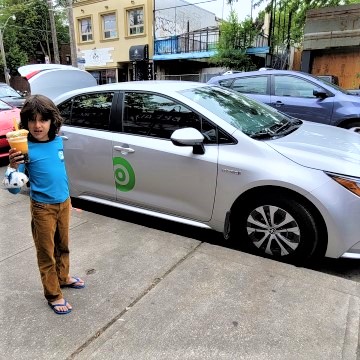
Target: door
x=294 y=96
x=152 y=173
x=88 y=144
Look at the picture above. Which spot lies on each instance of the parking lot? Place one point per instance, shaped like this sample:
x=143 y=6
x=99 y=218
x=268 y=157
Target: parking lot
x=155 y=291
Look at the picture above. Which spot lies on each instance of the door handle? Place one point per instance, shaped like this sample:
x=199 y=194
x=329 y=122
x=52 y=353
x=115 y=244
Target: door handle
x=123 y=149
x=64 y=137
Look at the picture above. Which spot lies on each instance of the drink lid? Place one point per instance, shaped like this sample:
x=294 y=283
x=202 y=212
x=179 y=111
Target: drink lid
x=17 y=133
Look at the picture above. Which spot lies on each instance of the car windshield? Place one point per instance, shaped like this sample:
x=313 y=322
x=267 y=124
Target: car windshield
x=7 y=91
x=4 y=106
x=247 y=115
x=328 y=83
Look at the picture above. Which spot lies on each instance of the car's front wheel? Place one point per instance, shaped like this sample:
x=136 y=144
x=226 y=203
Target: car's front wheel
x=275 y=227
x=353 y=126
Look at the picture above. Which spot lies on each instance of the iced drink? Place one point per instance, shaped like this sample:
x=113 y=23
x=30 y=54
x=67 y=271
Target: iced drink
x=18 y=139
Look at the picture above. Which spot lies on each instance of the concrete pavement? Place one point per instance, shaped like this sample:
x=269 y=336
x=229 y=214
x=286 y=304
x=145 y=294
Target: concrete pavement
x=156 y=295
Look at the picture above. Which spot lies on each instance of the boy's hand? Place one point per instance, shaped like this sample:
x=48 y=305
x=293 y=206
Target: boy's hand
x=15 y=158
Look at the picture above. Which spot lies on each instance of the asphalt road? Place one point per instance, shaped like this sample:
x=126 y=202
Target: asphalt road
x=345 y=268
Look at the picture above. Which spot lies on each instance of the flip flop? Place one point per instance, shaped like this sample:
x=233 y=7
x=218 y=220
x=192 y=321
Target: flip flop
x=59 y=312
x=72 y=285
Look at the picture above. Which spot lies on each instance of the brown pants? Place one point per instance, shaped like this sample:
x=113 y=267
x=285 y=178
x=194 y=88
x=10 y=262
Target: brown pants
x=50 y=229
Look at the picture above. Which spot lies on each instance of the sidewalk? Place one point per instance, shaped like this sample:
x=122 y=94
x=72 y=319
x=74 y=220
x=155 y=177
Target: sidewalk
x=157 y=295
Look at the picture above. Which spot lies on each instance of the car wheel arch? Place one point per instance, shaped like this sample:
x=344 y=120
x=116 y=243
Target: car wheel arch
x=259 y=192
x=350 y=123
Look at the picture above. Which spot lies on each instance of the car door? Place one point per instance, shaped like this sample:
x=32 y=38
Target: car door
x=256 y=87
x=293 y=95
x=150 y=171
x=88 y=144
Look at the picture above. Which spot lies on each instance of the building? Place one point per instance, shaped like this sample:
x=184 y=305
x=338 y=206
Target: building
x=332 y=44
x=185 y=36
x=114 y=39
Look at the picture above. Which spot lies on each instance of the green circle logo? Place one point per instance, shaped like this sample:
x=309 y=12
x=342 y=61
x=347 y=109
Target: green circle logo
x=124 y=174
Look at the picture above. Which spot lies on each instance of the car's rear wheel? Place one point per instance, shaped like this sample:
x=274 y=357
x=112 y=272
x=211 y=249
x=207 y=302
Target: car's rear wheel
x=275 y=227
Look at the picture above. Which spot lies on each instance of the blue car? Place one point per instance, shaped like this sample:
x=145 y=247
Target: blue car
x=297 y=94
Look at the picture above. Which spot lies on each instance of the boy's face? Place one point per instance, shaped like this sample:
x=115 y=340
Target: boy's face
x=39 y=128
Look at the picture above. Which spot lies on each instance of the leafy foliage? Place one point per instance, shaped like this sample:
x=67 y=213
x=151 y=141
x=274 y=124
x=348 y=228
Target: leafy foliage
x=234 y=39
x=30 y=31
x=294 y=9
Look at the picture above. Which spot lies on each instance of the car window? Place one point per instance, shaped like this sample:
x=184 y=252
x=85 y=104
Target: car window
x=89 y=110
x=158 y=116
x=251 y=85
x=6 y=91
x=293 y=86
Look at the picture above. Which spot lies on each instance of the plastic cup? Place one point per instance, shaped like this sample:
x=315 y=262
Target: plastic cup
x=18 y=139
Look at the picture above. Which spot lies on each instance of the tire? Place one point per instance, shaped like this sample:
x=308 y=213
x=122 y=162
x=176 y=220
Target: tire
x=275 y=227
x=352 y=125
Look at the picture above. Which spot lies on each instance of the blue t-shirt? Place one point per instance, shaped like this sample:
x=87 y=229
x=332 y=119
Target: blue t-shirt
x=47 y=172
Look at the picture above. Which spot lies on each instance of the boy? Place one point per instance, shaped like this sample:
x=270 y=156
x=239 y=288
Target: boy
x=49 y=198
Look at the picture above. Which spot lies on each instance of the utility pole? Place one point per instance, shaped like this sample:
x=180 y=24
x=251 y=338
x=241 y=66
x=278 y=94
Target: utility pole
x=53 y=32
x=73 y=50
x=6 y=74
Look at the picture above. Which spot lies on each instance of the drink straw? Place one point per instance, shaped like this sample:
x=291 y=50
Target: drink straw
x=16 y=126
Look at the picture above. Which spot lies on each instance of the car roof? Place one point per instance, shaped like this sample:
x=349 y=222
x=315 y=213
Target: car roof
x=27 y=69
x=166 y=86
x=258 y=72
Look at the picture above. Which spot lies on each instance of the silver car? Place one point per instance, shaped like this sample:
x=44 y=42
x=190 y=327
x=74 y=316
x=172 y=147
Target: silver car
x=210 y=157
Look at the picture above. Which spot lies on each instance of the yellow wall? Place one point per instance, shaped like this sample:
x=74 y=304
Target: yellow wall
x=122 y=44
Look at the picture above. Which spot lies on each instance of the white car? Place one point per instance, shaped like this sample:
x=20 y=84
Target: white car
x=210 y=157
x=53 y=80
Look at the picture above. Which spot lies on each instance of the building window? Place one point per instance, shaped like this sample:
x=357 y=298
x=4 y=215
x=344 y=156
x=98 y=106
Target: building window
x=85 y=29
x=135 y=20
x=109 y=26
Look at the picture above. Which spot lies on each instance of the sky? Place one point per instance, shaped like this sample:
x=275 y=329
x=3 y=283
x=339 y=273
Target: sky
x=222 y=10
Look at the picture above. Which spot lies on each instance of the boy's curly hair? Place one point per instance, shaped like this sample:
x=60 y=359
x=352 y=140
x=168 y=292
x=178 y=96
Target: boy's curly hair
x=39 y=104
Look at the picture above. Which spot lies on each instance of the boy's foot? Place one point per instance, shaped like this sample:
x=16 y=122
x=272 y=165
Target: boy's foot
x=74 y=282
x=60 y=306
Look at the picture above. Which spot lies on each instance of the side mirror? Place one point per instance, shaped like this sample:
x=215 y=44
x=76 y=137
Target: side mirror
x=320 y=94
x=189 y=137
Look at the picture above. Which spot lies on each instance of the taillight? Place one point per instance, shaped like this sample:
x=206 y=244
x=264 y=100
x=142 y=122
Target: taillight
x=30 y=75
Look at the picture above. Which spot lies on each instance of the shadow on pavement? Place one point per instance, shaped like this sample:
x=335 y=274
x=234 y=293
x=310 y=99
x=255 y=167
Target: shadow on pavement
x=345 y=268
x=205 y=235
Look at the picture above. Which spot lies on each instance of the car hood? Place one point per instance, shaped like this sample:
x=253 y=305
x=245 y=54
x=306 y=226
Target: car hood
x=322 y=147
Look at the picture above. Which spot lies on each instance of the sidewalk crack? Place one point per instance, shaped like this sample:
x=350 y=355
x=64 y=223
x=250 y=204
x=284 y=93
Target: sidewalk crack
x=154 y=283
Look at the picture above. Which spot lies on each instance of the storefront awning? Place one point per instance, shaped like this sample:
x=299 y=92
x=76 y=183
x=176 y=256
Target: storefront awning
x=139 y=53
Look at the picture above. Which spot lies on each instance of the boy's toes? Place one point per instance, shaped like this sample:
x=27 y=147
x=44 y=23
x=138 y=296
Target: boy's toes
x=60 y=307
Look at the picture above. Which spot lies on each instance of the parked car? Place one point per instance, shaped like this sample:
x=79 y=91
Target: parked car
x=8 y=114
x=11 y=96
x=53 y=80
x=297 y=94
x=207 y=156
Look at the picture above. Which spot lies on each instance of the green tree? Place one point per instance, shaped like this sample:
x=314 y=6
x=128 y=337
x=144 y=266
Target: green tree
x=234 y=39
x=30 y=31
x=295 y=10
